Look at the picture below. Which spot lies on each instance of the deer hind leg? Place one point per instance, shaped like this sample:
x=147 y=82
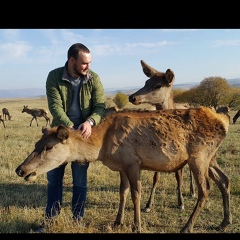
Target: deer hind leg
x=179 y=178
x=192 y=189
x=150 y=202
x=223 y=183
x=123 y=193
x=48 y=121
x=200 y=174
x=133 y=174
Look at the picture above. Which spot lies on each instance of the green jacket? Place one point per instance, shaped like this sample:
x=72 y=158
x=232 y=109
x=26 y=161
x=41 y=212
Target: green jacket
x=59 y=96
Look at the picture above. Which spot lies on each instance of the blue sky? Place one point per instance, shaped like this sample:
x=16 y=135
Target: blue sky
x=27 y=55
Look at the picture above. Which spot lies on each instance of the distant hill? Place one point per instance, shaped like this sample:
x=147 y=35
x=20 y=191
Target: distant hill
x=40 y=92
x=23 y=93
x=234 y=82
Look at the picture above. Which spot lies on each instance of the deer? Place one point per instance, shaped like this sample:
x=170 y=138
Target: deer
x=6 y=114
x=130 y=141
x=1 y=120
x=158 y=91
x=36 y=112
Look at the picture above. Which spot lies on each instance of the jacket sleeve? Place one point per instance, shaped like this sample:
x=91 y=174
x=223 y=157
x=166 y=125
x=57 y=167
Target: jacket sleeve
x=98 y=101
x=56 y=105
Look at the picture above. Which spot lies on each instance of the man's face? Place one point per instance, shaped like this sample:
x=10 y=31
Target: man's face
x=82 y=64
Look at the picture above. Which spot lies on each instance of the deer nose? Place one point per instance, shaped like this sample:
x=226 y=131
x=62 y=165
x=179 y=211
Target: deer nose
x=19 y=172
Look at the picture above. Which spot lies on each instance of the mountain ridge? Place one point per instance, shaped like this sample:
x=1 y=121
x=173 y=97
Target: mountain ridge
x=41 y=92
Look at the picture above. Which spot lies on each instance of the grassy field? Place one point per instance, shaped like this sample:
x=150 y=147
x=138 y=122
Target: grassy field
x=22 y=204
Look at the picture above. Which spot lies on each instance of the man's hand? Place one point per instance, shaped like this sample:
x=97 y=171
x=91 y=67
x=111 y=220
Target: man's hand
x=86 y=129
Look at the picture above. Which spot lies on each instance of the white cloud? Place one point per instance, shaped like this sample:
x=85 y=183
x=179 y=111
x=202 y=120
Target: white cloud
x=14 y=51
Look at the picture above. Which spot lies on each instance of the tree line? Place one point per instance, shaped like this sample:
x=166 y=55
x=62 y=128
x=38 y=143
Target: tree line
x=211 y=92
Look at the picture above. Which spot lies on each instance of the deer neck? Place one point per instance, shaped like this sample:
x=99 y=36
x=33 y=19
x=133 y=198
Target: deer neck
x=89 y=148
x=168 y=104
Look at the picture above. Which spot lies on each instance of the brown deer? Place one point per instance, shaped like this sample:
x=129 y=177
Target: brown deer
x=36 y=112
x=236 y=116
x=131 y=141
x=1 y=120
x=6 y=114
x=158 y=91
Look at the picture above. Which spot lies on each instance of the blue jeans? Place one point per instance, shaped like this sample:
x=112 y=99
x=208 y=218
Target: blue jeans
x=55 y=189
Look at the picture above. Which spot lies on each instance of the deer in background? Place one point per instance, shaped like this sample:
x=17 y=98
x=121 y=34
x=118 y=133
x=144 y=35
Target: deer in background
x=6 y=114
x=36 y=112
x=1 y=120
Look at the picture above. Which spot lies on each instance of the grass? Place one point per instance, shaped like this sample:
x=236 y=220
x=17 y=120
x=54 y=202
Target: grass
x=22 y=204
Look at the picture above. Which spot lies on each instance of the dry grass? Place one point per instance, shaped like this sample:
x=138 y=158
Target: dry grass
x=22 y=204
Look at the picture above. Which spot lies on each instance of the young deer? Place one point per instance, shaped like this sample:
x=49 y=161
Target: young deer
x=36 y=112
x=6 y=114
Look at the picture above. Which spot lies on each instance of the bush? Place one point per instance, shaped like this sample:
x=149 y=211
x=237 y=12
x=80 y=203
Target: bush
x=120 y=100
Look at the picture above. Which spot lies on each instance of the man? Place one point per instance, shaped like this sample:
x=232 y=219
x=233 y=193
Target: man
x=76 y=99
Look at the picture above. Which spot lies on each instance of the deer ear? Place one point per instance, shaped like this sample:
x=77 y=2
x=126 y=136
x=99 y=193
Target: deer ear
x=148 y=71
x=169 y=76
x=62 y=133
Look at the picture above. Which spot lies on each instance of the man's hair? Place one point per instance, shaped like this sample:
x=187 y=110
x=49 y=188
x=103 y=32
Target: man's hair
x=74 y=50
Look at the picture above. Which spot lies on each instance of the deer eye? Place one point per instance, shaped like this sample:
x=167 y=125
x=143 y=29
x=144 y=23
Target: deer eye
x=157 y=87
x=47 y=148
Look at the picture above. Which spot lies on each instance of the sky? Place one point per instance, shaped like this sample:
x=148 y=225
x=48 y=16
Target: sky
x=28 y=55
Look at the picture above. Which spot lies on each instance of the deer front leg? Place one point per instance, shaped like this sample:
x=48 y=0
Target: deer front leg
x=31 y=122
x=35 y=120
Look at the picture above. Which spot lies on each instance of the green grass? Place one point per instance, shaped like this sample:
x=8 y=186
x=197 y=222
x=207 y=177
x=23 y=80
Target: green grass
x=22 y=204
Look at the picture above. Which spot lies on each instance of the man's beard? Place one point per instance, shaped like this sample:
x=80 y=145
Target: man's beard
x=77 y=72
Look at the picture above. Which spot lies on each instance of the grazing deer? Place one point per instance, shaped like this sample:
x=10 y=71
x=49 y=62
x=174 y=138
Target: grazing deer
x=236 y=116
x=158 y=91
x=1 y=120
x=131 y=141
x=6 y=114
x=36 y=112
